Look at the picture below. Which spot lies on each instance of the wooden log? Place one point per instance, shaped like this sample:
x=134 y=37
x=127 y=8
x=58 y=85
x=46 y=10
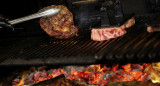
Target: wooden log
x=132 y=83
x=60 y=81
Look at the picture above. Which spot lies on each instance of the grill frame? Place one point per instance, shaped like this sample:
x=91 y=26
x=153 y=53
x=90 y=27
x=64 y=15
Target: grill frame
x=132 y=47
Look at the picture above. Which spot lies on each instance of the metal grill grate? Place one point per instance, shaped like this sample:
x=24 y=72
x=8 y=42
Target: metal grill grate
x=136 y=45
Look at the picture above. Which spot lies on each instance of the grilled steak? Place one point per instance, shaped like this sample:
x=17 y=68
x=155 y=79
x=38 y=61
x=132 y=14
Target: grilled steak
x=60 y=26
x=129 y=23
x=151 y=29
x=109 y=33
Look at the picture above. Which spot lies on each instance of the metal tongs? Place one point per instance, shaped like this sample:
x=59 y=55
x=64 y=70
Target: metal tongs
x=84 y=1
x=46 y=12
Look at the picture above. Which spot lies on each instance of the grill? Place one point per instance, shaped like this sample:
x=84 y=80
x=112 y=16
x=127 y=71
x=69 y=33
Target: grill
x=135 y=46
x=30 y=46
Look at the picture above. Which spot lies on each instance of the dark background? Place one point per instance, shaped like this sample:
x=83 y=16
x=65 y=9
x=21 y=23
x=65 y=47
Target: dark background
x=18 y=8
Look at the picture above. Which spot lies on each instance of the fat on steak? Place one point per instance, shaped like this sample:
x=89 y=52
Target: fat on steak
x=61 y=25
x=109 y=33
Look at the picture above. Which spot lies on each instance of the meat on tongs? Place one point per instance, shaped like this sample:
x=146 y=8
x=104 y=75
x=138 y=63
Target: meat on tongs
x=61 y=25
x=109 y=33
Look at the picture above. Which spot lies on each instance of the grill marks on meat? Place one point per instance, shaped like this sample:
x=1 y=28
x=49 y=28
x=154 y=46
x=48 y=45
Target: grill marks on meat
x=107 y=33
x=60 y=26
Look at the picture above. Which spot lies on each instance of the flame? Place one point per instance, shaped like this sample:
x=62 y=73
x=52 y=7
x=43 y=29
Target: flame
x=154 y=71
x=22 y=80
x=23 y=77
x=127 y=68
x=98 y=74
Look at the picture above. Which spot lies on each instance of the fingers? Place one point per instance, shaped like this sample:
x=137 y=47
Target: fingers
x=5 y=24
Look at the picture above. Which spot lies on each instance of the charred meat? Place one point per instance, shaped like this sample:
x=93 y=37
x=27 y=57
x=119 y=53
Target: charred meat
x=61 y=25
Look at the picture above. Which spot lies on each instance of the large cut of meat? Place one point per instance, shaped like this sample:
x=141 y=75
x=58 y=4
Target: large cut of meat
x=107 y=33
x=61 y=25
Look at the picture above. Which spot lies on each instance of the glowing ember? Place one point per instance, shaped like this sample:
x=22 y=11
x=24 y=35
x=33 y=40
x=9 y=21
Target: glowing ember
x=94 y=74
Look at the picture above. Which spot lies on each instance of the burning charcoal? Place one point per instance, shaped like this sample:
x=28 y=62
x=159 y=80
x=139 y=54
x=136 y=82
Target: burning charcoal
x=93 y=74
x=27 y=79
x=50 y=71
x=36 y=76
x=133 y=70
x=119 y=72
x=128 y=77
x=136 y=73
x=144 y=77
x=31 y=77
x=156 y=66
x=57 y=72
x=15 y=81
x=77 y=68
x=137 y=66
x=40 y=76
x=127 y=68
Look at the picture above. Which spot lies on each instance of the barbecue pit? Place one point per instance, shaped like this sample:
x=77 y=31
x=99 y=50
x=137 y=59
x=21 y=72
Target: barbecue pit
x=28 y=46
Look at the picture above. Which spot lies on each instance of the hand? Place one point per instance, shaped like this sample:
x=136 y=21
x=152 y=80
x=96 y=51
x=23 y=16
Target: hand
x=5 y=24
